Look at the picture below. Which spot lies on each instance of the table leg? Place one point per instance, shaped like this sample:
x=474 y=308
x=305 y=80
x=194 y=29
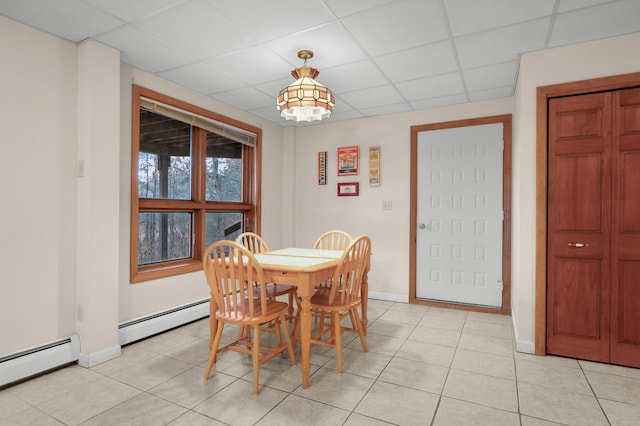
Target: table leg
x=305 y=339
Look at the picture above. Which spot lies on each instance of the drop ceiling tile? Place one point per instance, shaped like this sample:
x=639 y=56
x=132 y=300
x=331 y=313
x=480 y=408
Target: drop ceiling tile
x=245 y=98
x=608 y=20
x=402 y=24
x=270 y=113
x=431 y=87
x=353 y=76
x=196 y=28
x=142 y=51
x=386 y=109
x=343 y=8
x=494 y=93
x=456 y=99
x=267 y=20
x=375 y=96
x=73 y=20
x=342 y=105
x=491 y=76
x=423 y=61
x=252 y=65
x=472 y=16
x=323 y=41
x=347 y=115
x=202 y=77
x=501 y=45
x=128 y=10
x=567 y=5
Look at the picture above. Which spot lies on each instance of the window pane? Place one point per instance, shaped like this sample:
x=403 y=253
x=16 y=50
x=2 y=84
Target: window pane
x=163 y=236
x=222 y=226
x=224 y=169
x=164 y=162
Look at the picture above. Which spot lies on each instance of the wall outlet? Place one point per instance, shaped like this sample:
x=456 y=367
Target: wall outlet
x=79 y=312
x=387 y=205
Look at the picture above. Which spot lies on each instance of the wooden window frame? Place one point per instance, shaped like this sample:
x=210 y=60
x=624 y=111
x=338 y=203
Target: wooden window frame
x=197 y=205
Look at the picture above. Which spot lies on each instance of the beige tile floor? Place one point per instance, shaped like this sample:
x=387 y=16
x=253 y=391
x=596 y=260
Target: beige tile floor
x=425 y=366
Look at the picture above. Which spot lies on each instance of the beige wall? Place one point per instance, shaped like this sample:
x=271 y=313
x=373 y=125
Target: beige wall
x=38 y=91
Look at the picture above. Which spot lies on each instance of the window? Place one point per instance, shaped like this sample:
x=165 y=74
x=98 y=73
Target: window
x=194 y=182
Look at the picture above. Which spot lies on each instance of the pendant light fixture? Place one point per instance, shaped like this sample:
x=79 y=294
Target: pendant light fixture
x=305 y=99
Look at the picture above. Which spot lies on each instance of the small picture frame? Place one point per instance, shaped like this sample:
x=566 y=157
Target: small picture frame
x=348 y=159
x=374 y=166
x=322 y=168
x=348 y=189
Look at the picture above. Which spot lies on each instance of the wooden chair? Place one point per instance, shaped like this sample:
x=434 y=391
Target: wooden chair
x=255 y=244
x=237 y=286
x=333 y=240
x=342 y=300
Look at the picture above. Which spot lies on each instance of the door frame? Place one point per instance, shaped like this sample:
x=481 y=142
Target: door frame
x=505 y=120
x=543 y=94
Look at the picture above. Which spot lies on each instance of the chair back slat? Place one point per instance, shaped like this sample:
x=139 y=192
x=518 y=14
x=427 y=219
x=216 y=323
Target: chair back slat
x=333 y=240
x=230 y=269
x=350 y=271
x=252 y=242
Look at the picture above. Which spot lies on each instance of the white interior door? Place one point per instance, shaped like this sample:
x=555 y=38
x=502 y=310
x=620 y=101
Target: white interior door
x=460 y=215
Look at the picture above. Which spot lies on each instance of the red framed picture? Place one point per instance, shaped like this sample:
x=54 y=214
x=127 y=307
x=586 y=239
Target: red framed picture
x=348 y=158
x=348 y=189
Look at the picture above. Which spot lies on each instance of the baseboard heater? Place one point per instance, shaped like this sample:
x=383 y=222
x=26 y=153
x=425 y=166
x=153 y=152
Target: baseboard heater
x=27 y=363
x=140 y=328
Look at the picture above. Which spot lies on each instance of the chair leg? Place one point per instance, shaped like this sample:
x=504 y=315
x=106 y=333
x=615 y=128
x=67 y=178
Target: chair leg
x=292 y=355
x=360 y=328
x=213 y=351
x=256 y=359
x=337 y=332
x=291 y=317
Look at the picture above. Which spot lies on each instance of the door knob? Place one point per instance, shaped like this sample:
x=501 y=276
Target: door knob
x=422 y=226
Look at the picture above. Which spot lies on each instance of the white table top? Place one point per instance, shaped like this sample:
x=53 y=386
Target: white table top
x=308 y=252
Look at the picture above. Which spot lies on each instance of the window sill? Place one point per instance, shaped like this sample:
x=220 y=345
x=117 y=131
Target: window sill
x=154 y=272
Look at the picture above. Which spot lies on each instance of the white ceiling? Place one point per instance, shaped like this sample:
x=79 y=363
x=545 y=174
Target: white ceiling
x=377 y=56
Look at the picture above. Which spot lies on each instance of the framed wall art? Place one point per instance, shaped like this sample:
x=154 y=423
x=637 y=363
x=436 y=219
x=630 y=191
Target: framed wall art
x=348 y=157
x=374 y=166
x=348 y=189
x=322 y=168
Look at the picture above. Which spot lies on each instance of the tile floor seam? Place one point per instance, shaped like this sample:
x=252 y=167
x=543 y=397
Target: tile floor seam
x=595 y=395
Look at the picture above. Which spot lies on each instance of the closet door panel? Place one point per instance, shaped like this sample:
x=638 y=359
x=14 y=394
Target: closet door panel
x=625 y=288
x=579 y=227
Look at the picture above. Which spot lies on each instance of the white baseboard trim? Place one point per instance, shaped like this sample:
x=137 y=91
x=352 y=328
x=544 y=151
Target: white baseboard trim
x=525 y=346
x=95 y=358
x=140 y=328
x=390 y=297
x=24 y=364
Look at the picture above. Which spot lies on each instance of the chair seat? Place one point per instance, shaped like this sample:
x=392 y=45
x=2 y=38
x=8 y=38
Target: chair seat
x=274 y=309
x=320 y=300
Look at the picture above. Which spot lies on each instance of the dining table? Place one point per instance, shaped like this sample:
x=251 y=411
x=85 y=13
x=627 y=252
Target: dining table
x=304 y=268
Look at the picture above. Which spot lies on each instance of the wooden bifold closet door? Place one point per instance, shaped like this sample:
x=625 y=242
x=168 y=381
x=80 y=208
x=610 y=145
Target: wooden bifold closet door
x=593 y=229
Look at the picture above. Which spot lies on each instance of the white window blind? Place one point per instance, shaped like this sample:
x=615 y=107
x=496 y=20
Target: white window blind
x=208 y=124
